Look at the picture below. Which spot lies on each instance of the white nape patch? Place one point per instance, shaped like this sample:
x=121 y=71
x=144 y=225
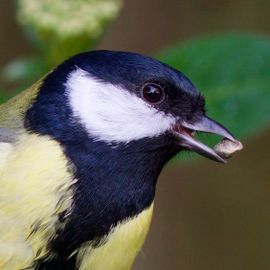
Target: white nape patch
x=112 y=114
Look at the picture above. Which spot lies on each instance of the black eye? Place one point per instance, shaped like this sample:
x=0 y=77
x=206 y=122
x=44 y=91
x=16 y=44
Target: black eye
x=153 y=93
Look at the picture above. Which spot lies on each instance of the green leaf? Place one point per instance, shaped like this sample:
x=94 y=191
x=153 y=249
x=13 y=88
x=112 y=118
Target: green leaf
x=4 y=96
x=233 y=73
x=25 y=69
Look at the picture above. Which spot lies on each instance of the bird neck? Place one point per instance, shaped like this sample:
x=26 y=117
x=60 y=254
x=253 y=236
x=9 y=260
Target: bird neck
x=112 y=184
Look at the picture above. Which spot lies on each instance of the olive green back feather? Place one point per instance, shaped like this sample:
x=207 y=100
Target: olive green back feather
x=12 y=113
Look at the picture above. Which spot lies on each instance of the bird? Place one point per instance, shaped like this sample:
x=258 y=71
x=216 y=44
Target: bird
x=80 y=154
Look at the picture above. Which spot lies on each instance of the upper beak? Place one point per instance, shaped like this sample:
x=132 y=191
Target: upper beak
x=184 y=132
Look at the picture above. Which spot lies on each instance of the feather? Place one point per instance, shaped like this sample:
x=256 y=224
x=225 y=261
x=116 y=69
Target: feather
x=36 y=187
x=12 y=113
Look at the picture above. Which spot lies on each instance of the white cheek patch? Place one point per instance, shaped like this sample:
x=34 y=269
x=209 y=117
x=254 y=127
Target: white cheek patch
x=111 y=113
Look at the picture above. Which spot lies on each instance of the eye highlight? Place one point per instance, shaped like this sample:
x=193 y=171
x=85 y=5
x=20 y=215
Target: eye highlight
x=153 y=93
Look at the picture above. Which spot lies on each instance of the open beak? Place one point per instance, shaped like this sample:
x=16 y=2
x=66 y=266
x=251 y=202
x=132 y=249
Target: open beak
x=184 y=133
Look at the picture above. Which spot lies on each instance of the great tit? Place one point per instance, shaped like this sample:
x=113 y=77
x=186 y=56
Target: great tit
x=80 y=154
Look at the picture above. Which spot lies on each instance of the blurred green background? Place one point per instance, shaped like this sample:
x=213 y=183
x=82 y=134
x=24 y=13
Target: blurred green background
x=207 y=215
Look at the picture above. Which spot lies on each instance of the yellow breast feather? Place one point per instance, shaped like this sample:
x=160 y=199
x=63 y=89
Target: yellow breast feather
x=121 y=246
x=5 y=150
x=35 y=187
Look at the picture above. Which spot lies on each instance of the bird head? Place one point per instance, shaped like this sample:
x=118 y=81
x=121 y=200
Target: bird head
x=119 y=98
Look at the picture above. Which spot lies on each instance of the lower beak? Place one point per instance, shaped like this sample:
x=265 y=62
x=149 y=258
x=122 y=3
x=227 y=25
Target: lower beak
x=184 y=134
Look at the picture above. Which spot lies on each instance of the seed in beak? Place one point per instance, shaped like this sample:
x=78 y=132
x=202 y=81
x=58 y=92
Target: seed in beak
x=227 y=148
